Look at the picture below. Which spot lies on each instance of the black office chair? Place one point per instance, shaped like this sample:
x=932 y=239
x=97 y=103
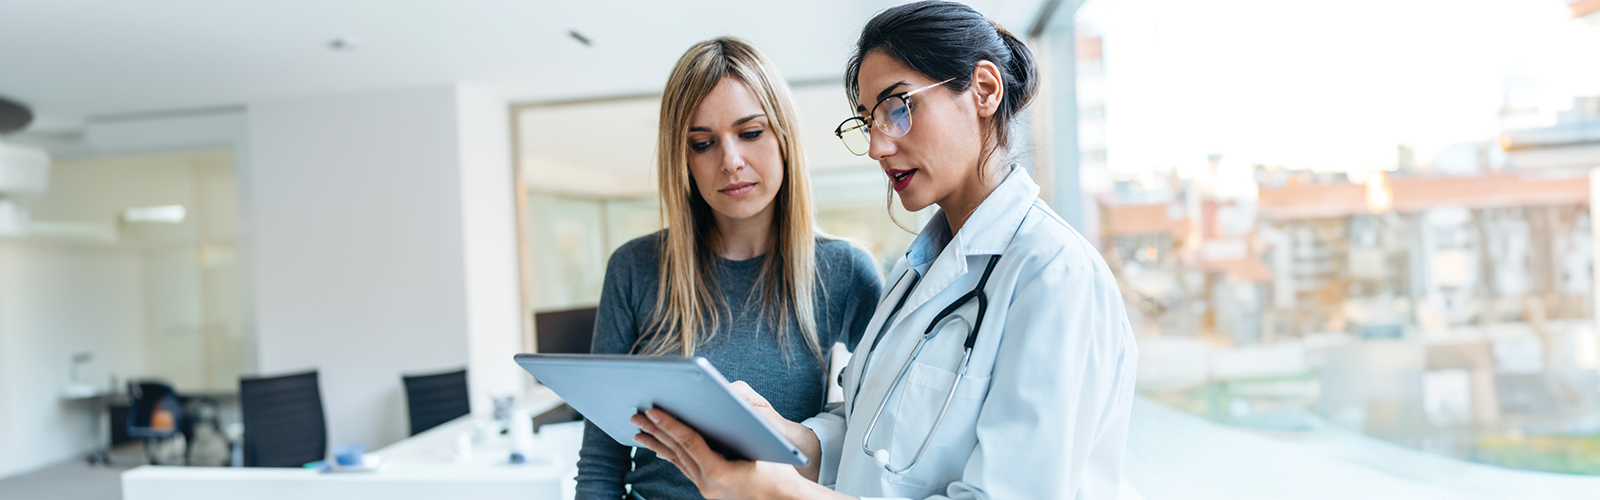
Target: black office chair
x=436 y=399
x=283 y=420
x=156 y=416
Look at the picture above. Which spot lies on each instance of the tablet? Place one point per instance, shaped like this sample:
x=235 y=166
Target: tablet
x=609 y=389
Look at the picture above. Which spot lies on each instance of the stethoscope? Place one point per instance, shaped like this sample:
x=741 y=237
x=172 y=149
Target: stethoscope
x=881 y=456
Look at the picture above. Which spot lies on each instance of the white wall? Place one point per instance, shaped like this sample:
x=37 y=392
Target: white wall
x=380 y=244
x=489 y=223
x=57 y=300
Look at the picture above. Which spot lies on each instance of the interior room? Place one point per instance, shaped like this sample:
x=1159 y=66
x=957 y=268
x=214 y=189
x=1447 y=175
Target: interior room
x=259 y=249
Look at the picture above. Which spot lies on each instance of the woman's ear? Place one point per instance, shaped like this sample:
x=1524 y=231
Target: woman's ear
x=987 y=88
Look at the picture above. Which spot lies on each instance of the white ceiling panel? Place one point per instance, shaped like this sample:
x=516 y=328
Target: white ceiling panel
x=77 y=59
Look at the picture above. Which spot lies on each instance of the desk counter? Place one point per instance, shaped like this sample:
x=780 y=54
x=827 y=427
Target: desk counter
x=425 y=466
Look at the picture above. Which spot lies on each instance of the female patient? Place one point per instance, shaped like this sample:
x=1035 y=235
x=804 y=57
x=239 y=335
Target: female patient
x=740 y=276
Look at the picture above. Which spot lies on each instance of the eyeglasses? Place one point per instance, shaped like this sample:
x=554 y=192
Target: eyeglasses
x=892 y=115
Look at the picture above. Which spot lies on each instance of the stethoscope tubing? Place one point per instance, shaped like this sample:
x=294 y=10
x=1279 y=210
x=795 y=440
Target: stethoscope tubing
x=961 y=370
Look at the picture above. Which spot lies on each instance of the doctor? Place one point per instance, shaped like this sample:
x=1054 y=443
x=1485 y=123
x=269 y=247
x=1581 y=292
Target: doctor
x=999 y=363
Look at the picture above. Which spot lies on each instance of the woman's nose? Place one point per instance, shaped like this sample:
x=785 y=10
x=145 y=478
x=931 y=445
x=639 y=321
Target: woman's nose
x=732 y=157
x=879 y=145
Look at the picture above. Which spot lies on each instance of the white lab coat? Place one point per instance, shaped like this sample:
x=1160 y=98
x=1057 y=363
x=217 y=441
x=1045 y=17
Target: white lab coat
x=1042 y=412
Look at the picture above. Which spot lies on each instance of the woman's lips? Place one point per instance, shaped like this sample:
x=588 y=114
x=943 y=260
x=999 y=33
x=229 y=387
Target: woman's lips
x=901 y=178
x=738 y=189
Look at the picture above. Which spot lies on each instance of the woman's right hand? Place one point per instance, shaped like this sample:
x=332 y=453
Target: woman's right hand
x=802 y=437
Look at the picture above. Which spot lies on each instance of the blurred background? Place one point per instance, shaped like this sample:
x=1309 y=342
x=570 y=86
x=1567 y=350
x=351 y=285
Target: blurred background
x=1355 y=240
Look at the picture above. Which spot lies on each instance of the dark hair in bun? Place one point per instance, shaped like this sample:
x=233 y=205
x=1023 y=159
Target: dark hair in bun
x=945 y=40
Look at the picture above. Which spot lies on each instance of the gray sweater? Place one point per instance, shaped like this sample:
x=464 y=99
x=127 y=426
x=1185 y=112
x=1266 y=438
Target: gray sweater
x=745 y=349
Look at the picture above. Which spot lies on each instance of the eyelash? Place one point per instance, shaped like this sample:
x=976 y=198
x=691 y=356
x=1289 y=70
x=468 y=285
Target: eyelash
x=702 y=146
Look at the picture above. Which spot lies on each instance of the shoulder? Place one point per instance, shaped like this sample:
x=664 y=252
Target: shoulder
x=1062 y=280
x=838 y=257
x=638 y=260
x=644 y=250
x=1046 y=243
x=833 y=249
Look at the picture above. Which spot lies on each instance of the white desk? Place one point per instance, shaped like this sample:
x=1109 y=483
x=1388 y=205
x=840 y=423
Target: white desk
x=100 y=398
x=422 y=466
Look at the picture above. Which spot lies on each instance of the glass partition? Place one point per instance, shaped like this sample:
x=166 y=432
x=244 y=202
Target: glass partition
x=1324 y=225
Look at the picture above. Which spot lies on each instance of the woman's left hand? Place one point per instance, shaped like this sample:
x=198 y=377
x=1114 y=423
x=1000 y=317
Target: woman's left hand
x=717 y=477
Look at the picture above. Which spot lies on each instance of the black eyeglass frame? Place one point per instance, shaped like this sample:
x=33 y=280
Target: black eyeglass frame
x=864 y=122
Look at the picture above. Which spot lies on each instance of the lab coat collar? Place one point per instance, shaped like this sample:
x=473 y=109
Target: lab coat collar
x=990 y=229
x=987 y=232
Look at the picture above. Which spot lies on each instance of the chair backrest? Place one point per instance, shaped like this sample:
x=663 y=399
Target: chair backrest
x=143 y=399
x=283 y=420
x=436 y=399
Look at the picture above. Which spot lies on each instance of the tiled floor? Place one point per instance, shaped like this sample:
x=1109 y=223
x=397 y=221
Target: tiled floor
x=74 y=479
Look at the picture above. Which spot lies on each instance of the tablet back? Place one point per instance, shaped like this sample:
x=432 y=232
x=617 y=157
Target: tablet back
x=609 y=389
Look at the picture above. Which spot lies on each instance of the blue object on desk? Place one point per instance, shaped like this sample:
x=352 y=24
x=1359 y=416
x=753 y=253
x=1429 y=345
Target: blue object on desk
x=349 y=455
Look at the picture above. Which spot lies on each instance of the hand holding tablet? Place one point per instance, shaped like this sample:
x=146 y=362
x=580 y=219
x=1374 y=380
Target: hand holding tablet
x=610 y=389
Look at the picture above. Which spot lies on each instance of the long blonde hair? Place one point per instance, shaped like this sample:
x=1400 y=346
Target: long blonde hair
x=689 y=309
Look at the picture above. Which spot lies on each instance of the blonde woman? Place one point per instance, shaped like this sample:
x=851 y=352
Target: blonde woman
x=740 y=276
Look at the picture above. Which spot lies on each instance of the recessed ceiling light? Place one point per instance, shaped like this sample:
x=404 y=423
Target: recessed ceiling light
x=168 y=214
x=343 y=44
x=580 y=38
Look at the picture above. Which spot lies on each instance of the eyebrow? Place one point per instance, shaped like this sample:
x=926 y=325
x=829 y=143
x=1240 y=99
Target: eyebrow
x=748 y=118
x=736 y=123
x=882 y=94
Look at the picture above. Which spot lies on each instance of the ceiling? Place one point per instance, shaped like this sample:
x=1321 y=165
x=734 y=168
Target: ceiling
x=75 y=61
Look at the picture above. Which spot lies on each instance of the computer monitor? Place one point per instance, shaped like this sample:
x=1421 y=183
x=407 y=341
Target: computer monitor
x=564 y=332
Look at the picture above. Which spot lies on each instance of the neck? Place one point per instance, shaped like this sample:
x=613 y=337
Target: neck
x=741 y=239
x=960 y=204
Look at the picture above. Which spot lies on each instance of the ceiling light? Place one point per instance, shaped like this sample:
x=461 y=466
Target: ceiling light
x=166 y=214
x=24 y=171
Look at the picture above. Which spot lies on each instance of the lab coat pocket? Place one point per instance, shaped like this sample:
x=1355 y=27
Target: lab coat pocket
x=924 y=392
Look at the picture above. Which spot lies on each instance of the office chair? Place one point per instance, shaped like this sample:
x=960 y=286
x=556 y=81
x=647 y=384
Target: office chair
x=436 y=399
x=283 y=420
x=156 y=415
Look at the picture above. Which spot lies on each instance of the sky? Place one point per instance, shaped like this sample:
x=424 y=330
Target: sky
x=1332 y=86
